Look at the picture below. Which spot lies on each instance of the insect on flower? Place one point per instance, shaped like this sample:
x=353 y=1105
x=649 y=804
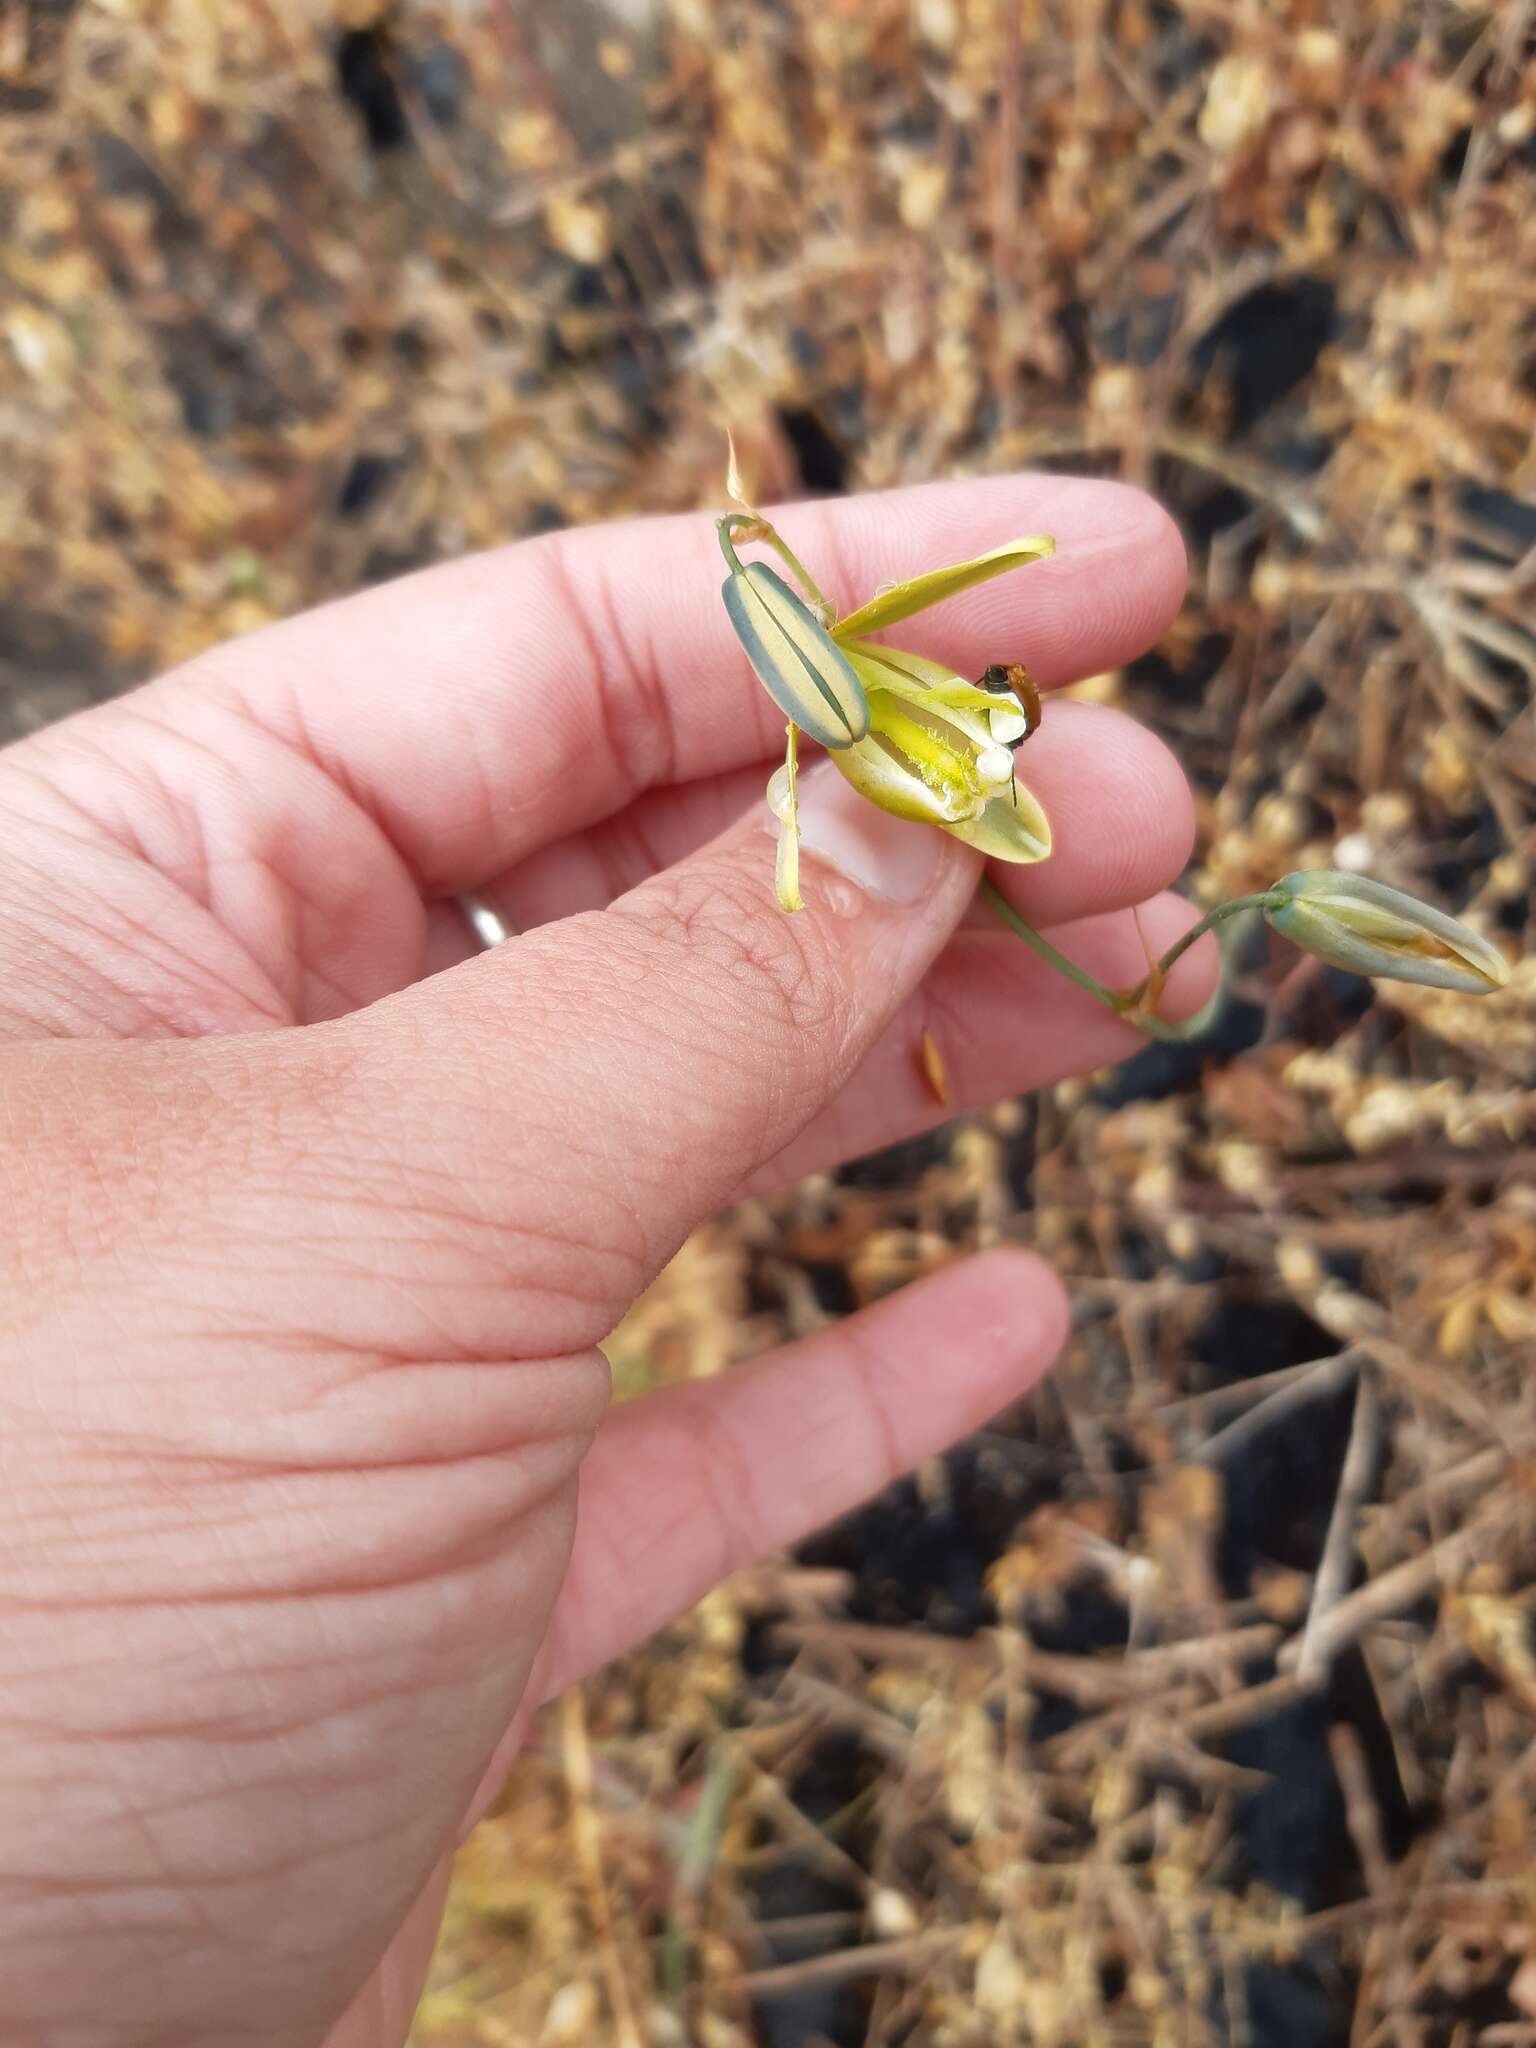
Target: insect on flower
x=906 y=731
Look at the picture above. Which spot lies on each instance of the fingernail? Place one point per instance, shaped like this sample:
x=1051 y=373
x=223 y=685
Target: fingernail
x=885 y=856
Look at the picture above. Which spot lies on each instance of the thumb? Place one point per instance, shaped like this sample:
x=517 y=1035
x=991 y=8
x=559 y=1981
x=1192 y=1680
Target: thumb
x=609 y=1081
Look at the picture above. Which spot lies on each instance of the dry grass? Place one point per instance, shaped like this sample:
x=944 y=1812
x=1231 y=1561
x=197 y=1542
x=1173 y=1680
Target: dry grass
x=1197 y=1703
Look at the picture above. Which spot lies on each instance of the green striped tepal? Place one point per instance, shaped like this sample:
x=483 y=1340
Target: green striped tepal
x=798 y=662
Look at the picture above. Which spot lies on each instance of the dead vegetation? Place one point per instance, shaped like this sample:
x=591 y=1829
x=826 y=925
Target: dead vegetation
x=1198 y=1702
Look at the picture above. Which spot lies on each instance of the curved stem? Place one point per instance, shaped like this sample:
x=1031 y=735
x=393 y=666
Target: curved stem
x=1126 y=1002
x=724 y=528
x=1263 y=899
x=1048 y=953
x=752 y=526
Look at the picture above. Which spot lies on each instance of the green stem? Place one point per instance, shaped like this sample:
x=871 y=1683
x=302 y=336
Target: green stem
x=753 y=527
x=723 y=531
x=1263 y=899
x=1124 y=1001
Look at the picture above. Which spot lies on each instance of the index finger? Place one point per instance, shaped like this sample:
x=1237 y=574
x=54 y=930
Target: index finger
x=479 y=709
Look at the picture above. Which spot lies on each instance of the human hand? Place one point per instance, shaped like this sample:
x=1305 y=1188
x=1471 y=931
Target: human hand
x=311 y=1245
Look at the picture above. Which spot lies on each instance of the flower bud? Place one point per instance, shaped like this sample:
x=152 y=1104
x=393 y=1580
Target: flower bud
x=797 y=661
x=1367 y=928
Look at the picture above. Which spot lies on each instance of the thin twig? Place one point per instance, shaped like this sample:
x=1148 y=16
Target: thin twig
x=589 y=1856
x=1224 y=1717
x=1355 y=1480
x=1389 y=1594
x=1237 y=1394
x=1328 y=1376
x=870 y=1960
x=1091 y=1681
x=1362 y=1816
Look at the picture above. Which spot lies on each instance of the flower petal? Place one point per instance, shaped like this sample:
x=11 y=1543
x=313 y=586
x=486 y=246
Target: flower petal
x=918 y=592
x=1013 y=827
x=797 y=661
x=914 y=677
x=879 y=773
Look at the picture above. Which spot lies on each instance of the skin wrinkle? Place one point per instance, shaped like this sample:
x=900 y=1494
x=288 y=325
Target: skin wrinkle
x=283 y=892
x=181 y=1878
x=200 y=979
x=566 y=1432
x=185 y=1012
x=181 y=1801
x=505 y=1249
x=79 y=826
x=327 y=1641
x=509 y=1223
x=49 y=1006
x=338 y=1590
x=864 y=1365
x=571 y=1390
x=473 y=1521
x=720 y=937
x=265 y=857
x=606 y=1269
x=228 y=1718
x=616 y=1548
x=289 y=726
x=583 y=1383
x=182 y=1653
x=702 y=1066
x=634 y=710
x=189 y=870
x=300 y=1936
x=283 y=887
x=730 y=1479
x=419 y=1306
x=344 y=1254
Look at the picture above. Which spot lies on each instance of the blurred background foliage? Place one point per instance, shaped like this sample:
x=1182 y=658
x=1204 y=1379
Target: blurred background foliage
x=1197 y=1701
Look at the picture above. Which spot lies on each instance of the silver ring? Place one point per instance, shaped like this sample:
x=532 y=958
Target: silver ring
x=485 y=921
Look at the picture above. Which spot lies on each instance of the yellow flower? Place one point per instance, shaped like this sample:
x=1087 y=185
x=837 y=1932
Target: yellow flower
x=941 y=751
x=907 y=732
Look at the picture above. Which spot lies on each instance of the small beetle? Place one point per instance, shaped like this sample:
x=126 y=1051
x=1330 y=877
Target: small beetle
x=1011 y=679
